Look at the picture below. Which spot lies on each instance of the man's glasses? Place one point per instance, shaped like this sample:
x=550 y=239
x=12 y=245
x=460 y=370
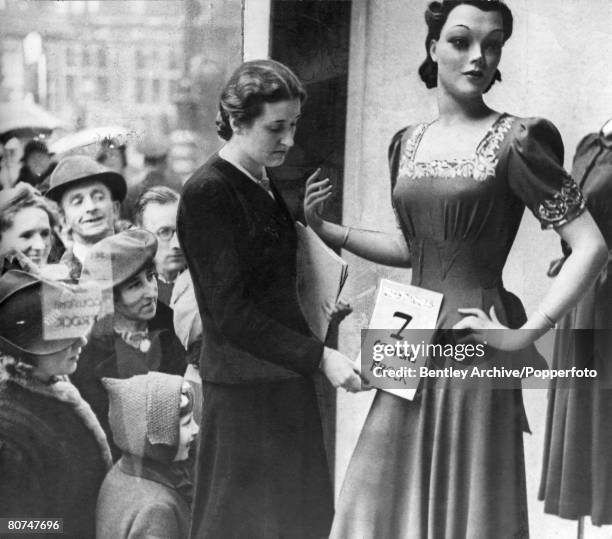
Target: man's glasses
x=165 y=233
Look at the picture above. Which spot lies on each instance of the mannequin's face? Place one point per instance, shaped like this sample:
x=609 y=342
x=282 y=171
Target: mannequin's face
x=468 y=51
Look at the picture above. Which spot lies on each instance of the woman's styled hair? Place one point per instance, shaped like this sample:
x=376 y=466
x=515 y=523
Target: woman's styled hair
x=16 y=367
x=435 y=17
x=250 y=86
x=23 y=196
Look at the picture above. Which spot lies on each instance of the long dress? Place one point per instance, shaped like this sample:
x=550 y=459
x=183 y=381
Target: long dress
x=450 y=463
x=577 y=469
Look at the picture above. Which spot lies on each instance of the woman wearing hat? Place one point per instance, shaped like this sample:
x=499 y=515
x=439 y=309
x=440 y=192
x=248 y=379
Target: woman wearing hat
x=136 y=335
x=144 y=495
x=28 y=224
x=53 y=451
x=37 y=165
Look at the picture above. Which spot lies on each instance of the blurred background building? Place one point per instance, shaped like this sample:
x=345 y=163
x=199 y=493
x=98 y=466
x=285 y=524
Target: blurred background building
x=146 y=65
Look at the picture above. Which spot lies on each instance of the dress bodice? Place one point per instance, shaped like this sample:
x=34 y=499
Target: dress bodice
x=460 y=217
x=592 y=170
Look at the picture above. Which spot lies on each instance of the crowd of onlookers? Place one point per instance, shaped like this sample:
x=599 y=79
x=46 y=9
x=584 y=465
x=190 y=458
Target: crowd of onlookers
x=98 y=419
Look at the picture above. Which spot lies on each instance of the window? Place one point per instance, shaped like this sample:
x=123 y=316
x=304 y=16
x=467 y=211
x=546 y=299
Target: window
x=172 y=60
x=172 y=85
x=86 y=59
x=155 y=90
x=70 y=57
x=141 y=60
x=102 y=57
x=102 y=87
x=69 y=88
x=140 y=90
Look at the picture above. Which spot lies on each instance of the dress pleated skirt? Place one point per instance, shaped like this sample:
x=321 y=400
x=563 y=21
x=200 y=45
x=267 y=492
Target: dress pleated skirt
x=449 y=465
x=577 y=465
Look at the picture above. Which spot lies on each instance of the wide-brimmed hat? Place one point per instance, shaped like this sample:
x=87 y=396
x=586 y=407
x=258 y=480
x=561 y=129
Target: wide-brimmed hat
x=30 y=310
x=35 y=146
x=76 y=169
x=115 y=259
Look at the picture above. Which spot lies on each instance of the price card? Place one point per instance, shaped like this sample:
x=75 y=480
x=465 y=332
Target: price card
x=394 y=346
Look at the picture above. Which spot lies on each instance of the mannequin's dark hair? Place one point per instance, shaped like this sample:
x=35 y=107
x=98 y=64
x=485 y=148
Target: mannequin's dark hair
x=435 y=17
x=250 y=86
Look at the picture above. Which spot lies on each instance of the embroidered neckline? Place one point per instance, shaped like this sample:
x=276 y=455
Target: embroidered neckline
x=479 y=167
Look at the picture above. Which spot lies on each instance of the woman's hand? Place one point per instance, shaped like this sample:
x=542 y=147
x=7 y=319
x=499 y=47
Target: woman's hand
x=317 y=192
x=340 y=370
x=338 y=312
x=487 y=329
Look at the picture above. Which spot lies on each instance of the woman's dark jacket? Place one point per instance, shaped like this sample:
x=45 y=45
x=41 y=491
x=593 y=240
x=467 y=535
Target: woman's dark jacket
x=240 y=247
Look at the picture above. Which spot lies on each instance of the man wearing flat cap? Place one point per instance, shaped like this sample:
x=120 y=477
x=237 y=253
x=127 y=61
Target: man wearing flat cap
x=89 y=196
x=137 y=336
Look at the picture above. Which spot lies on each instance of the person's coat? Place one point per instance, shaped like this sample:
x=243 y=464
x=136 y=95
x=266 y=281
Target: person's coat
x=107 y=355
x=147 y=493
x=240 y=247
x=53 y=454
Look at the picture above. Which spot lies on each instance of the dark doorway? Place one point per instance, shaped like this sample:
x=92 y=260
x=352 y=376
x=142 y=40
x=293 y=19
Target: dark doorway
x=312 y=37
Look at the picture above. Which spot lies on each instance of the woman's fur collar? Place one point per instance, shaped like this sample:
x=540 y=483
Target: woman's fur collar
x=64 y=391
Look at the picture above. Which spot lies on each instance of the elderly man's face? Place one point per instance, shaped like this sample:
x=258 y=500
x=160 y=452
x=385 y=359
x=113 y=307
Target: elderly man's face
x=160 y=219
x=90 y=211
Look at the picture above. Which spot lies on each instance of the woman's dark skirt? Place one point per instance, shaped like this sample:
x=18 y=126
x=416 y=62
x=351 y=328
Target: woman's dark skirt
x=261 y=467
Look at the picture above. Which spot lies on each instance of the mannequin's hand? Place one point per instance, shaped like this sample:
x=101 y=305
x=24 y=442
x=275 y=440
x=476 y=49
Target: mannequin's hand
x=316 y=194
x=487 y=329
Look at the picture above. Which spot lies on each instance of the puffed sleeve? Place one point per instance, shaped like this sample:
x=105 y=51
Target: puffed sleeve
x=593 y=161
x=536 y=175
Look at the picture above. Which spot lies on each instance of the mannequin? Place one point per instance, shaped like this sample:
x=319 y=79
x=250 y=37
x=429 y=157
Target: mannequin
x=577 y=421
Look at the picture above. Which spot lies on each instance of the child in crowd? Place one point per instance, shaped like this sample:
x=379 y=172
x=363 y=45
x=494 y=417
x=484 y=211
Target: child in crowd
x=145 y=494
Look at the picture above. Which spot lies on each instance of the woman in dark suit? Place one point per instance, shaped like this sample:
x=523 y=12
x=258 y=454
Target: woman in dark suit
x=262 y=471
